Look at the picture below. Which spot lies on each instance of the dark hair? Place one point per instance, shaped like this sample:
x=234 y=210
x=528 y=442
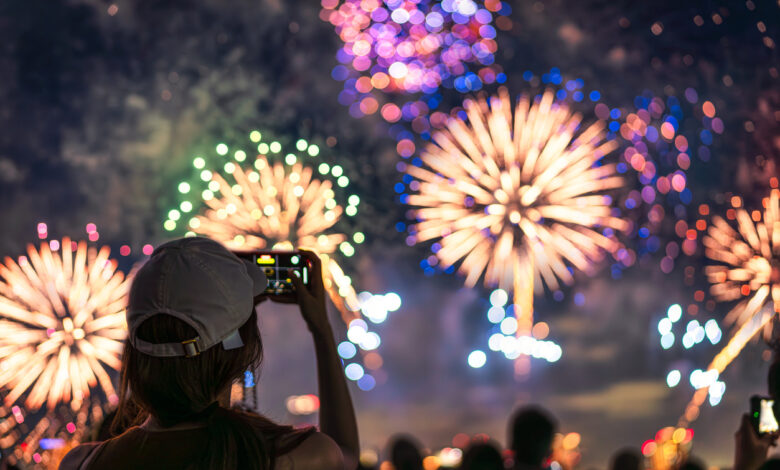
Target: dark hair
x=482 y=456
x=179 y=389
x=531 y=433
x=405 y=453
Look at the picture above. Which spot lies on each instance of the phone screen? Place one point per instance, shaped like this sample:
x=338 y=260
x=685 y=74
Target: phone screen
x=765 y=418
x=276 y=265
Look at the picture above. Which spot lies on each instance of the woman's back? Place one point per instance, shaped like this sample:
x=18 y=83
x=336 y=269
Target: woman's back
x=185 y=446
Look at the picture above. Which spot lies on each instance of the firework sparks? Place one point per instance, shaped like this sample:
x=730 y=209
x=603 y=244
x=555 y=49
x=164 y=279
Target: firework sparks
x=747 y=269
x=62 y=323
x=412 y=46
x=273 y=207
x=665 y=138
x=517 y=199
x=270 y=204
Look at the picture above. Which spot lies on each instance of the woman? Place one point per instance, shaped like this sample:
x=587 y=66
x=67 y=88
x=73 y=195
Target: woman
x=192 y=332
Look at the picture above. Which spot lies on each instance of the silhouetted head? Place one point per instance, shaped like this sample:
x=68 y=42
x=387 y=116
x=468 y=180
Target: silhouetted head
x=405 y=453
x=482 y=456
x=531 y=433
x=626 y=459
x=693 y=463
x=771 y=464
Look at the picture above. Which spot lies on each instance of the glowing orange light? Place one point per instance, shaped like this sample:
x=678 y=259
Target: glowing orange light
x=709 y=109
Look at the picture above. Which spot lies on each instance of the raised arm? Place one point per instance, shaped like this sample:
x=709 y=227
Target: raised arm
x=337 y=415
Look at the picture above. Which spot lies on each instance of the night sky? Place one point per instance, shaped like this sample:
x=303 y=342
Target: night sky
x=103 y=105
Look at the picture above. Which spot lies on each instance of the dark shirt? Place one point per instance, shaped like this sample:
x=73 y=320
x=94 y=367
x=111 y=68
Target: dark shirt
x=158 y=448
x=174 y=449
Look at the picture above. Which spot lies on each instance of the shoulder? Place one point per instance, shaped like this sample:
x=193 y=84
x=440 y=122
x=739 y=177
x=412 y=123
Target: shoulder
x=316 y=452
x=78 y=455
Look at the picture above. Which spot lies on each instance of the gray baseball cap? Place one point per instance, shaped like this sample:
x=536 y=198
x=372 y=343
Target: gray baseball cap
x=200 y=282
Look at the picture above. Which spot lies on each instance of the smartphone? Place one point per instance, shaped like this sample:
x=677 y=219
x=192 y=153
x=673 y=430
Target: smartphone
x=762 y=414
x=277 y=265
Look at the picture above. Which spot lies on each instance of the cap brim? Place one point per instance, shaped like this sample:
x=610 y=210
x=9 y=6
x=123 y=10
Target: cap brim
x=259 y=280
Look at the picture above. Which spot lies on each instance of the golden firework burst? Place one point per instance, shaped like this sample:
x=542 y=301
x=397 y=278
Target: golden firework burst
x=517 y=198
x=277 y=206
x=62 y=323
x=747 y=269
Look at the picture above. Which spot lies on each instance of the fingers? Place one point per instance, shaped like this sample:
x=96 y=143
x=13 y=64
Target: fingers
x=316 y=271
x=299 y=287
x=295 y=279
x=746 y=426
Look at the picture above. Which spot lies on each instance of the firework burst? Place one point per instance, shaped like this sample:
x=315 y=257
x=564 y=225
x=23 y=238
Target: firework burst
x=62 y=323
x=285 y=202
x=747 y=269
x=394 y=47
x=517 y=198
x=280 y=207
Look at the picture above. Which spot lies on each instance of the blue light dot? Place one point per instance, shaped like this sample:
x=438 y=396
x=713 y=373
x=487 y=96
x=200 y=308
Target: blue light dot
x=579 y=299
x=347 y=350
x=366 y=383
x=399 y=188
x=340 y=73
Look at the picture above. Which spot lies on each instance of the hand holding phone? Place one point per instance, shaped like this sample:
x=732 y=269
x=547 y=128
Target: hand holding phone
x=278 y=266
x=762 y=415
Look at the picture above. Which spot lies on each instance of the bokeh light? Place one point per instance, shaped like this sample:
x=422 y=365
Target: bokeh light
x=412 y=46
